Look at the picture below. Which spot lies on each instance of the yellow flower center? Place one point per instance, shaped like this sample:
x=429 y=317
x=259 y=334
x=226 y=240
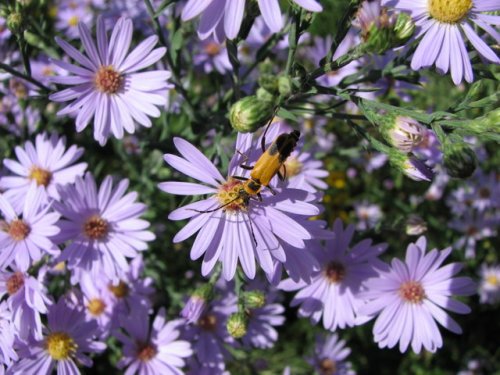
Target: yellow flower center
x=60 y=346
x=18 y=230
x=293 y=167
x=107 y=80
x=96 y=306
x=492 y=280
x=412 y=291
x=232 y=194
x=449 y=11
x=41 y=176
x=120 y=291
x=96 y=228
x=73 y=21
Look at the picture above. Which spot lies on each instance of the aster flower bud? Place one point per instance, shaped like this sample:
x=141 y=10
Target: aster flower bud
x=254 y=299
x=196 y=304
x=403 y=28
x=15 y=22
x=459 y=159
x=402 y=132
x=250 y=113
x=415 y=225
x=411 y=166
x=237 y=325
x=284 y=85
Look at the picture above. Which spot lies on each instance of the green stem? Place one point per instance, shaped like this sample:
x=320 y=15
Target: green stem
x=232 y=52
x=32 y=80
x=342 y=61
x=293 y=38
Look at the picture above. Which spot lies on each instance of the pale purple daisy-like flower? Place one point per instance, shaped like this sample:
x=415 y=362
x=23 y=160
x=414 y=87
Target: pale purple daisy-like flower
x=209 y=334
x=211 y=56
x=329 y=356
x=368 y=215
x=409 y=297
x=107 y=84
x=334 y=290
x=27 y=299
x=224 y=17
x=25 y=238
x=66 y=342
x=7 y=353
x=155 y=350
x=47 y=162
x=240 y=232
x=489 y=286
x=442 y=25
x=102 y=226
x=474 y=227
x=69 y=15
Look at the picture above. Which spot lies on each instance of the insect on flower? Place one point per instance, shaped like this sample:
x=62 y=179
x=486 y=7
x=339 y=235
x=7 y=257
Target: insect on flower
x=269 y=164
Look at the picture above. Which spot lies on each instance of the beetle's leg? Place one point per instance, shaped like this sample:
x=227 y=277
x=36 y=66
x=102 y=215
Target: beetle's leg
x=245 y=159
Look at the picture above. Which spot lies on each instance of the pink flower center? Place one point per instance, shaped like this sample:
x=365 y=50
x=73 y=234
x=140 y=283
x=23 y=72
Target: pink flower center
x=212 y=49
x=327 y=367
x=449 y=11
x=96 y=228
x=412 y=291
x=18 y=230
x=60 y=346
x=41 y=176
x=14 y=283
x=335 y=272
x=107 y=80
x=145 y=352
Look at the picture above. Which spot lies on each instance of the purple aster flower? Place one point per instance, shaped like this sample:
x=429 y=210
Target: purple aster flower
x=25 y=239
x=212 y=56
x=209 y=335
x=262 y=320
x=155 y=350
x=334 y=289
x=241 y=231
x=224 y=17
x=27 y=299
x=47 y=162
x=102 y=225
x=368 y=215
x=70 y=15
x=7 y=353
x=65 y=342
x=474 y=227
x=409 y=297
x=489 y=286
x=329 y=356
x=107 y=85
x=442 y=25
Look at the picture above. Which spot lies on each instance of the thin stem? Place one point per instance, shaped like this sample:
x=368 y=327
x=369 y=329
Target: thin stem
x=232 y=53
x=342 y=61
x=293 y=37
x=32 y=80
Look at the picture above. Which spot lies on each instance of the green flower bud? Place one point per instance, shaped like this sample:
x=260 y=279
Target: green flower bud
x=404 y=27
x=284 y=85
x=459 y=159
x=204 y=292
x=410 y=166
x=379 y=39
x=402 y=132
x=15 y=22
x=254 y=299
x=250 y=113
x=237 y=325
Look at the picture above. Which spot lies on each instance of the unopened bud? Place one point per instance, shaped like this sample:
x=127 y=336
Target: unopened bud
x=284 y=85
x=411 y=166
x=404 y=27
x=415 y=225
x=196 y=304
x=237 y=325
x=402 y=132
x=254 y=299
x=15 y=22
x=459 y=159
x=250 y=113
